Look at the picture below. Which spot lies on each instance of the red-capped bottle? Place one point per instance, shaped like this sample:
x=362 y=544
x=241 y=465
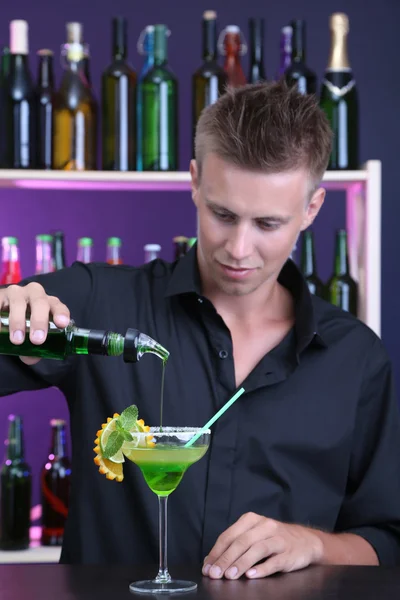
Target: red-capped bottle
x=11 y=268
x=232 y=46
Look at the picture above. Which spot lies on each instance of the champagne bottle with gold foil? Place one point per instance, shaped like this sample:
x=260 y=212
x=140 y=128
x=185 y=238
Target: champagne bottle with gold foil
x=339 y=98
x=75 y=110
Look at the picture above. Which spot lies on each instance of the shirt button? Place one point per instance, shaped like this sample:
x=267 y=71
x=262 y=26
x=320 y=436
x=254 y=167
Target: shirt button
x=200 y=300
x=223 y=354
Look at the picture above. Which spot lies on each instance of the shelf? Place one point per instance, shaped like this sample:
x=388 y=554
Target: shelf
x=34 y=554
x=143 y=181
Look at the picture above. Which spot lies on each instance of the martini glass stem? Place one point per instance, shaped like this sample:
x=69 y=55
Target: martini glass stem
x=163 y=575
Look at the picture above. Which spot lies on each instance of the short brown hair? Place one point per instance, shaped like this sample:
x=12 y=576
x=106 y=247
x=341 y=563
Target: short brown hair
x=268 y=127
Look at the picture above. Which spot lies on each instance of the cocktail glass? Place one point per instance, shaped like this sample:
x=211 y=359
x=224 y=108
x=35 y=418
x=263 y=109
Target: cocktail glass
x=163 y=464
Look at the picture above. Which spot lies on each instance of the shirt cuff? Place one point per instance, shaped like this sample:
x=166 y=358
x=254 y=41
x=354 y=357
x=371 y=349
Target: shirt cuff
x=385 y=543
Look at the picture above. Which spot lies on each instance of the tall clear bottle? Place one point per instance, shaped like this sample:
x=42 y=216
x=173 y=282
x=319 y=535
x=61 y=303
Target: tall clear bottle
x=75 y=110
x=19 y=116
x=210 y=80
x=231 y=44
x=55 y=483
x=160 y=110
x=339 y=98
x=15 y=490
x=119 y=105
x=45 y=101
x=299 y=73
x=85 y=250
x=145 y=47
x=257 y=70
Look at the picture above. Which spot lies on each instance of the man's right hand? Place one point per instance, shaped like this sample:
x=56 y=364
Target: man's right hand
x=16 y=299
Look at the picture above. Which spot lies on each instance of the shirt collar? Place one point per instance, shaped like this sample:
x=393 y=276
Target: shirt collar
x=185 y=279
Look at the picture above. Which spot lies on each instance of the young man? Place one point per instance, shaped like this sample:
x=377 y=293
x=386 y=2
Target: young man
x=304 y=468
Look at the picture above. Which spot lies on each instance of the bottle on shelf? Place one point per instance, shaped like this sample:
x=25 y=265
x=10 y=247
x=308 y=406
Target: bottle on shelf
x=11 y=267
x=45 y=100
x=19 y=104
x=44 y=254
x=159 y=90
x=55 y=482
x=15 y=490
x=257 y=70
x=231 y=44
x=180 y=246
x=4 y=64
x=341 y=289
x=119 y=105
x=210 y=80
x=59 y=250
x=285 y=53
x=151 y=252
x=73 y=340
x=114 y=251
x=298 y=72
x=339 y=98
x=75 y=110
x=308 y=265
x=86 y=59
x=145 y=47
x=85 y=250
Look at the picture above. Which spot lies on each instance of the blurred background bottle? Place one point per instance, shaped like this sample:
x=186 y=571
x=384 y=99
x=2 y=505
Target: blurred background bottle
x=285 y=53
x=145 y=47
x=209 y=81
x=75 y=110
x=339 y=98
x=232 y=45
x=45 y=101
x=160 y=110
x=59 y=250
x=114 y=251
x=298 y=73
x=119 y=105
x=180 y=246
x=342 y=290
x=10 y=267
x=55 y=487
x=151 y=252
x=308 y=265
x=85 y=250
x=257 y=70
x=44 y=254
x=15 y=490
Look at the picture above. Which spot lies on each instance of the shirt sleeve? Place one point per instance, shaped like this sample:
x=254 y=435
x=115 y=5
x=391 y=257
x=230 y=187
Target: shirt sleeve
x=371 y=508
x=73 y=286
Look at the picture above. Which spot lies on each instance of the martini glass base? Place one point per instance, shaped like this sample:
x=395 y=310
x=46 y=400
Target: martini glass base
x=152 y=586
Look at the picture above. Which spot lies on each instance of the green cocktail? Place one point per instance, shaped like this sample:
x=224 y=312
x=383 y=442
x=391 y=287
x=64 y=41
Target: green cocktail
x=163 y=458
x=164 y=466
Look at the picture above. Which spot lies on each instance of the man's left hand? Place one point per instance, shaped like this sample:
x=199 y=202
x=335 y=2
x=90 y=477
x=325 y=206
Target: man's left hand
x=252 y=538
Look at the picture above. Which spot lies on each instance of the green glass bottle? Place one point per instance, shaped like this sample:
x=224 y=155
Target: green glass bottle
x=308 y=265
x=339 y=98
x=119 y=105
x=15 y=491
x=210 y=80
x=61 y=343
x=159 y=89
x=342 y=290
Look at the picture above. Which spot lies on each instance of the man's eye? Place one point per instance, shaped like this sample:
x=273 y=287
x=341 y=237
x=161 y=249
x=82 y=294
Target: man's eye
x=224 y=217
x=267 y=226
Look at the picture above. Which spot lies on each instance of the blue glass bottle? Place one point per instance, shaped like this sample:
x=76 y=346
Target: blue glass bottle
x=145 y=47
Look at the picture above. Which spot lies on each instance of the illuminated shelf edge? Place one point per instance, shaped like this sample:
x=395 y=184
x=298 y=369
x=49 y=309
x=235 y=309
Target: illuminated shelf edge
x=178 y=180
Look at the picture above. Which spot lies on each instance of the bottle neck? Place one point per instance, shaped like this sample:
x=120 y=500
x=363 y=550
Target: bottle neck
x=338 y=57
x=58 y=447
x=209 y=40
x=18 y=62
x=232 y=48
x=119 y=41
x=308 y=262
x=256 y=41
x=114 y=255
x=46 y=75
x=285 y=50
x=341 y=266
x=298 y=41
x=10 y=253
x=84 y=254
x=160 y=46
x=59 y=253
x=15 y=450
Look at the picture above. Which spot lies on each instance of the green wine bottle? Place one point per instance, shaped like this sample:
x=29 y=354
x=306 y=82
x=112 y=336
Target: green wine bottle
x=342 y=290
x=74 y=340
x=309 y=265
x=15 y=491
x=339 y=98
x=159 y=90
x=119 y=105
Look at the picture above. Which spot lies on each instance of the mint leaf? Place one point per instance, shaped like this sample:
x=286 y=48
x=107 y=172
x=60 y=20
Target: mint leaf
x=126 y=435
x=129 y=417
x=118 y=426
x=114 y=444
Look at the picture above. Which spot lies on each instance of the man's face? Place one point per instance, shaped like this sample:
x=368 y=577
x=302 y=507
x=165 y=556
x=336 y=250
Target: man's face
x=248 y=222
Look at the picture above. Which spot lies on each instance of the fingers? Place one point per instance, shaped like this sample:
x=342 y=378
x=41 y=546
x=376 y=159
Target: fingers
x=256 y=543
x=60 y=312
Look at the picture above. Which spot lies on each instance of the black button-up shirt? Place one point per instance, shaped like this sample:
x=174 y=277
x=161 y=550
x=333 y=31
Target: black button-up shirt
x=314 y=439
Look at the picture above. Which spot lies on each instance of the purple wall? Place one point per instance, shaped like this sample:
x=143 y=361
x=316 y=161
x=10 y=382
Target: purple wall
x=140 y=217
